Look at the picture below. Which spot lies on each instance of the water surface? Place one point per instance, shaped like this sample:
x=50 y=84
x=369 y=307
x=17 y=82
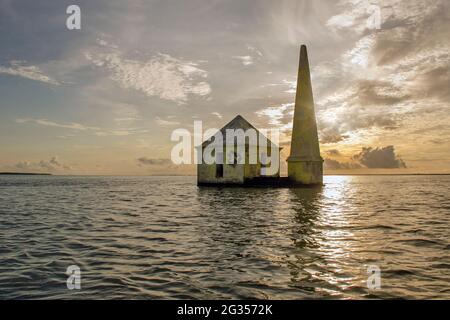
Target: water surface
x=163 y=237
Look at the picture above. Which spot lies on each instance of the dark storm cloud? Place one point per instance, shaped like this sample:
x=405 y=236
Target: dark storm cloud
x=379 y=158
x=331 y=164
x=372 y=158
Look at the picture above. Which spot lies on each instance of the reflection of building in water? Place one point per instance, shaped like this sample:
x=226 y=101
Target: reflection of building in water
x=305 y=165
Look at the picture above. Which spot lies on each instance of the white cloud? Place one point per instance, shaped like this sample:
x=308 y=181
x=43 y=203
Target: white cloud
x=18 y=68
x=120 y=132
x=162 y=76
x=166 y=123
x=68 y=125
x=100 y=132
x=341 y=21
x=217 y=114
x=359 y=55
x=245 y=60
x=279 y=116
x=355 y=16
x=254 y=50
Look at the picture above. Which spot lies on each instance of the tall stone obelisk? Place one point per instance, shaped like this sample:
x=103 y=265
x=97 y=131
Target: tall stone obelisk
x=305 y=165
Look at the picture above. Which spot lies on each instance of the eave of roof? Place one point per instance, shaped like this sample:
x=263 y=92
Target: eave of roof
x=239 y=122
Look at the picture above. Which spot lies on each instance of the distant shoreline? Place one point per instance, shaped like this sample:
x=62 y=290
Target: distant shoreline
x=168 y=175
x=24 y=174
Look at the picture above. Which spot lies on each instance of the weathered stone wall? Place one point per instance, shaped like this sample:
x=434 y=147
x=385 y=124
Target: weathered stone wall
x=232 y=174
x=306 y=172
x=206 y=173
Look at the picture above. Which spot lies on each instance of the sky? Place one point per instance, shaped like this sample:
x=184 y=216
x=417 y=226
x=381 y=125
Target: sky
x=105 y=99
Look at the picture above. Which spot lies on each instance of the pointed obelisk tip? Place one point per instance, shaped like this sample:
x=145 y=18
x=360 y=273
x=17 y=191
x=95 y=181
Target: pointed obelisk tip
x=303 y=57
x=303 y=49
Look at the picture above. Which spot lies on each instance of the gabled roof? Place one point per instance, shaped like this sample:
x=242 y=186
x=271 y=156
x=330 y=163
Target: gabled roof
x=237 y=123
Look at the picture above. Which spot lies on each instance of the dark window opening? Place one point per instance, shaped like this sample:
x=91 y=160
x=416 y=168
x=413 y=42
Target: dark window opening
x=219 y=170
x=235 y=159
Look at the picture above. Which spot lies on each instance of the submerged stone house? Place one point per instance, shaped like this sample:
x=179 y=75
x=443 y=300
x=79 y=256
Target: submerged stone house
x=228 y=167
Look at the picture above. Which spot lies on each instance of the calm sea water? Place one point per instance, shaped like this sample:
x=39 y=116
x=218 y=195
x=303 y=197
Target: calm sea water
x=163 y=237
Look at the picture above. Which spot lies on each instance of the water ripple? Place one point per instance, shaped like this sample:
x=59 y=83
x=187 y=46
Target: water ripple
x=162 y=237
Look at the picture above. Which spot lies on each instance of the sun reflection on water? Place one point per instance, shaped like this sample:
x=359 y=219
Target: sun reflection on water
x=199 y=243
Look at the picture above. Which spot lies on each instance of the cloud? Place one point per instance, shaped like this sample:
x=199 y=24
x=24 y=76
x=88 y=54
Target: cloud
x=375 y=92
x=331 y=134
x=248 y=60
x=410 y=27
x=341 y=21
x=125 y=113
x=435 y=83
x=163 y=166
x=355 y=15
x=100 y=132
x=153 y=162
x=19 y=69
x=362 y=106
x=245 y=60
x=411 y=44
x=379 y=158
x=217 y=114
x=436 y=128
x=333 y=152
x=340 y=115
x=160 y=76
x=372 y=158
x=331 y=164
x=45 y=122
x=392 y=76
x=117 y=133
x=280 y=116
x=127 y=119
x=166 y=123
x=52 y=165
x=254 y=50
